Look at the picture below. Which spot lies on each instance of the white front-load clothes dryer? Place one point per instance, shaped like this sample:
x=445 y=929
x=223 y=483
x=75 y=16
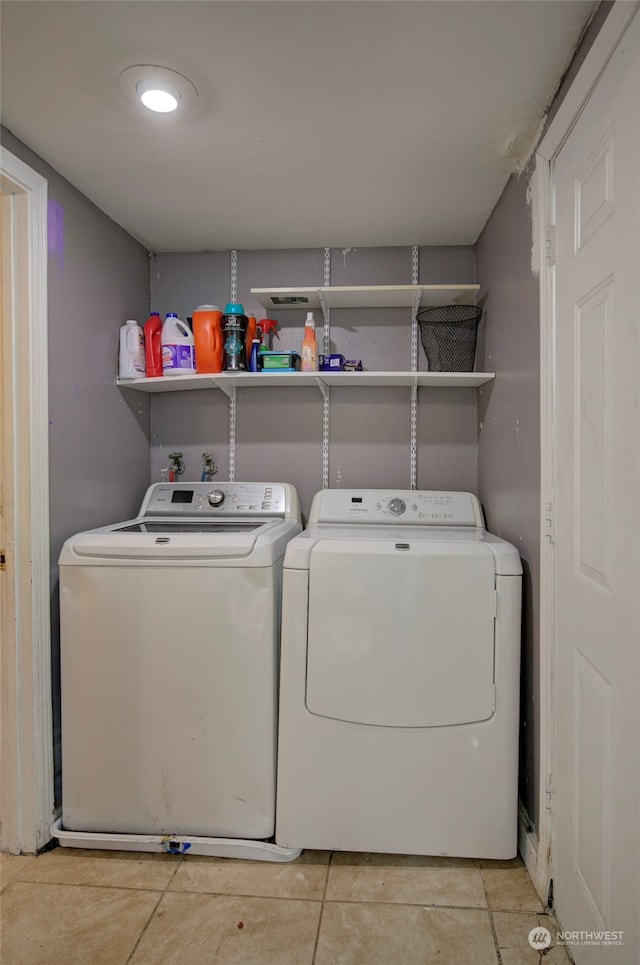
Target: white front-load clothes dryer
x=399 y=686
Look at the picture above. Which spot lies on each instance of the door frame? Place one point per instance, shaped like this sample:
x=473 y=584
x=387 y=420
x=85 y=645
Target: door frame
x=26 y=749
x=540 y=863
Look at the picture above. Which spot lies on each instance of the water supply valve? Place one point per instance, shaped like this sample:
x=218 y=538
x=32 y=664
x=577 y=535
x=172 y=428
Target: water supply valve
x=177 y=466
x=209 y=468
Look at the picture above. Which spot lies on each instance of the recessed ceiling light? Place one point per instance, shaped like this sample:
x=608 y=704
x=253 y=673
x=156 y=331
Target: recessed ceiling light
x=158 y=97
x=158 y=88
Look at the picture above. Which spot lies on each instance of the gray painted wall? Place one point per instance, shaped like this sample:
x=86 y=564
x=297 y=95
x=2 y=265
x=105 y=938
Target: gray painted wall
x=98 y=276
x=509 y=425
x=279 y=432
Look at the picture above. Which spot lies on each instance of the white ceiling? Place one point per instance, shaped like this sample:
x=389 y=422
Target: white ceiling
x=318 y=122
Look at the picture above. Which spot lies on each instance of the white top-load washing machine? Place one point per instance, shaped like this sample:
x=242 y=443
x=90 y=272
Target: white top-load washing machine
x=399 y=686
x=170 y=628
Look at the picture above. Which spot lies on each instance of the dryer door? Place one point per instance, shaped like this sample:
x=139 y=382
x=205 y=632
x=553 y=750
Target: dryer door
x=401 y=634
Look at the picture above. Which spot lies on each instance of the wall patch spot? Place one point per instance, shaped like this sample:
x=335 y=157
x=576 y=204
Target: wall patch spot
x=55 y=232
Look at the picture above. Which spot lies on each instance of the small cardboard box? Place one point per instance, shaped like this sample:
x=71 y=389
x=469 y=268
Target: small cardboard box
x=331 y=363
x=279 y=361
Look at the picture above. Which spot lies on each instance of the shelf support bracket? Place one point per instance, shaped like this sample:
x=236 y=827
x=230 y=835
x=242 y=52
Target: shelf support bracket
x=324 y=307
x=228 y=388
x=324 y=388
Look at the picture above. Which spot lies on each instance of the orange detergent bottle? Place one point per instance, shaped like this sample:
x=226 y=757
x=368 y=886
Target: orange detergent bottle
x=207 y=335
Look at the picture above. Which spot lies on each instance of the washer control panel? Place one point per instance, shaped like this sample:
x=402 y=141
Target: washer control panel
x=215 y=499
x=412 y=507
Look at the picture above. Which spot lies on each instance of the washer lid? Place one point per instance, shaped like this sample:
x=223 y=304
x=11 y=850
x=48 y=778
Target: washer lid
x=255 y=543
x=401 y=634
x=191 y=526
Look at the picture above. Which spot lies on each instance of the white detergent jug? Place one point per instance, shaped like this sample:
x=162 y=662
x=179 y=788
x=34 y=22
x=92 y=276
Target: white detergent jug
x=178 y=352
x=131 y=357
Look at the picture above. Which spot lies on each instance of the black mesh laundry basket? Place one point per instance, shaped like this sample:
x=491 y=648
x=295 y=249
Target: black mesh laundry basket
x=448 y=336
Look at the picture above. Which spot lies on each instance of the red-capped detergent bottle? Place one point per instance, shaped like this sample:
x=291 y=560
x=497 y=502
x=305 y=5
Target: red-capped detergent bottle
x=153 y=345
x=207 y=334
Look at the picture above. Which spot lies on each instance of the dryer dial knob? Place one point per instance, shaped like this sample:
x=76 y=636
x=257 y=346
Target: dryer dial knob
x=216 y=497
x=397 y=506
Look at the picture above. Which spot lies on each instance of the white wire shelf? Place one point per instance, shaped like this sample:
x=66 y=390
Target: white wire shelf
x=362 y=296
x=227 y=381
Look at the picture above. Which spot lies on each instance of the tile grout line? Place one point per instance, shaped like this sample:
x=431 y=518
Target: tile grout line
x=320 y=917
x=491 y=921
x=245 y=894
x=16 y=875
x=144 y=929
x=406 y=904
x=153 y=912
x=85 y=884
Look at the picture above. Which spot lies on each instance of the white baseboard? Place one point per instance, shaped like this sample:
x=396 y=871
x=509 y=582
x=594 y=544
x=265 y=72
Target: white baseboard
x=528 y=849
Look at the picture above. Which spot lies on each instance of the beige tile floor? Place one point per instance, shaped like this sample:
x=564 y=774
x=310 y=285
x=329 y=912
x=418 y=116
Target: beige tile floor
x=110 y=908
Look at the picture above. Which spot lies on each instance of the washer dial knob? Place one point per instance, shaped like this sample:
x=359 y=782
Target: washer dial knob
x=216 y=497
x=397 y=506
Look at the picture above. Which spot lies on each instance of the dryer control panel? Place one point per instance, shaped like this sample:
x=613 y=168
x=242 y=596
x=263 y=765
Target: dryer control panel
x=413 y=507
x=222 y=499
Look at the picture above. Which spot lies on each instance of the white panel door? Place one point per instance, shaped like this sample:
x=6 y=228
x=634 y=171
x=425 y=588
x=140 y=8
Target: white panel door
x=596 y=847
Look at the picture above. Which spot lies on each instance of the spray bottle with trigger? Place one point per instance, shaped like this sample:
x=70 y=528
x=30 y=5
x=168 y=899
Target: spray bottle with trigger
x=265 y=327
